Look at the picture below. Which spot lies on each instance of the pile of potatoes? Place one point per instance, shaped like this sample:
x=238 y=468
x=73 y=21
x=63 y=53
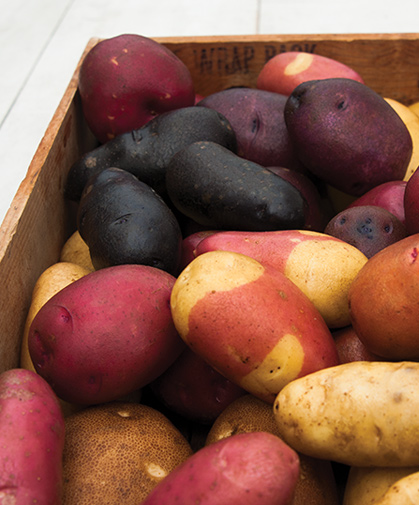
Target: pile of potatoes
x=235 y=319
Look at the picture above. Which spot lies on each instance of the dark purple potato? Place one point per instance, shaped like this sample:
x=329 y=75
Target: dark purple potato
x=367 y=227
x=315 y=219
x=347 y=134
x=257 y=119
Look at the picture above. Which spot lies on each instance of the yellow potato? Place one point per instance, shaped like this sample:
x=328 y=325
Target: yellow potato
x=414 y=107
x=52 y=280
x=365 y=485
x=359 y=414
x=75 y=250
x=411 y=120
x=403 y=492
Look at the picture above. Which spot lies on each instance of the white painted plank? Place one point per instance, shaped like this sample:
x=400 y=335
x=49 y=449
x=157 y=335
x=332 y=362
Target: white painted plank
x=326 y=16
x=25 y=29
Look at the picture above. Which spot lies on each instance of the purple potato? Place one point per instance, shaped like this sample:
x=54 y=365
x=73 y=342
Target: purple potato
x=257 y=119
x=367 y=227
x=347 y=134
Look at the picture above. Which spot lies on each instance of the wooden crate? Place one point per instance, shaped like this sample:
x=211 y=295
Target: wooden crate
x=40 y=220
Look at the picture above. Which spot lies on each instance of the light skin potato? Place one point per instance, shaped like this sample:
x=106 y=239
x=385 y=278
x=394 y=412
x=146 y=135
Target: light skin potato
x=52 y=280
x=323 y=267
x=117 y=453
x=360 y=414
x=411 y=120
x=316 y=484
x=249 y=322
x=75 y=250
x=365 y=486
x=403 y=492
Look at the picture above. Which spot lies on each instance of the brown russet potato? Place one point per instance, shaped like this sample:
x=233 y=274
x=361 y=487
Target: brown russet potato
x=117 y=453
x=316 y=483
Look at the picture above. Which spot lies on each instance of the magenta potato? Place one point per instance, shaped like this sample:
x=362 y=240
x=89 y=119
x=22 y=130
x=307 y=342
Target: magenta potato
x=31 y=440
x=350 y=347
x=192 y=388
x=106 y=335
x=127 y=80
x=347 y=135
x=411 y=203
x=189 y=244
x=257 y=119
x=389 y=196
x=368 y=228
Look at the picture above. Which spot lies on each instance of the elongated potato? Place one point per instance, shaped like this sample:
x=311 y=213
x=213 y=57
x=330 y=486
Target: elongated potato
x=360 y=414
x=243 y=469
x=250 y=322
x=365 y=486
x=403 y=492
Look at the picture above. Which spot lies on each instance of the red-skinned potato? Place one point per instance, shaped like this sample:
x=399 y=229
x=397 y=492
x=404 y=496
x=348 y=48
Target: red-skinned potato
x=322 y=266
x=285 y=71
x=411 y=204
x=389 y=196
x=350 y=348
x=189 y=244
x=249 y=322
x=31 y=440
x=383 y=301
x=243 y=469
x=106 y=336
x=193 y=389
x=127 y=80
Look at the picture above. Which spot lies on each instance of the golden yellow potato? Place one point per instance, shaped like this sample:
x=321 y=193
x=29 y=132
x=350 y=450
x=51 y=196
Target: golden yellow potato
x=414 y=107
x=403 y=492
x=360 y=414
x=365 y=485
x=411 y=120
x=117 y=453
x=75 y=250
x=52 y=280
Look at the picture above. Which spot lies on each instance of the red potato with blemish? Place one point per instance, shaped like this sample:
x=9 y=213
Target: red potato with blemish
x=250 y=322
x=322 y=266
x=31 y=440
x=285 y=71
x=106 y=336
x=127 y=80
x=245 y=469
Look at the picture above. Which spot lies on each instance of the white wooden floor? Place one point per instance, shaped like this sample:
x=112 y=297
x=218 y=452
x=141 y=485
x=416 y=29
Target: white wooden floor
x=41 y=42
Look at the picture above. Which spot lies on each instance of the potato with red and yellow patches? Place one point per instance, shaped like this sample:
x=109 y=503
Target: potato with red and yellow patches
x=322 y=266
x=250 y=322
